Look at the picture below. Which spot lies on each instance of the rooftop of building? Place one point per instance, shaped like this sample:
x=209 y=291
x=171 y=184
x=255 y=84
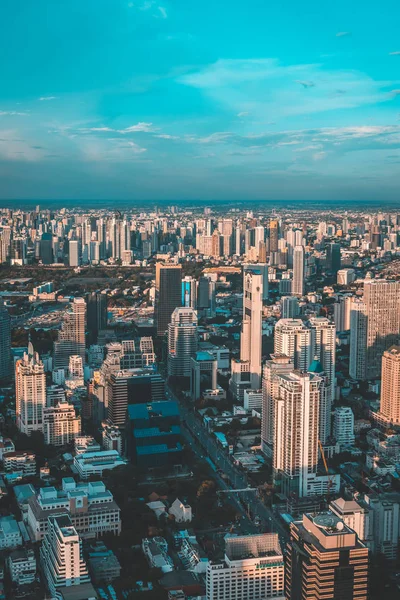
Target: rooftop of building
x=164 y=408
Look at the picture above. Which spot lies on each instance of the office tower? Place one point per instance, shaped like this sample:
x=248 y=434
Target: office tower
x=385 y=519
x=131 y=386
x=358 y=339
x=382 y=304
x=325 y=403
x=73 y=253
x=203 y=374
x=46 y=249
x=333 y=259
x=71 y=337
x=279 y=364
x=325 y=560
x=182 y=341
x=298 y=271
x=341 y=313
x=390 y=385
x=75 y=367
x=153 y=434
x=293 y=339
x=290 y=308
x=5 y=341
x=252 y=569
x=356 y=516
x=296 y=429
x=343 y=426
x=30 y=392
x=206 y=297
x=346 y=276
x=251 y=334
x=62 y=560
x=168 y=294
x=189 y=292
x=273 y=235
x=96 y=315
x=61 y=425
x=323 y=347
x=263 y=269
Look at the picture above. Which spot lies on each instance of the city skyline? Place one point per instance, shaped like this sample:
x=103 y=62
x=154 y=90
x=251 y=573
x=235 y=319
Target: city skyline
x=145 y=100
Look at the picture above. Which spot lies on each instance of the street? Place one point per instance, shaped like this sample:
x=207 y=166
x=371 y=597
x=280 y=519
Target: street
x=200 y=438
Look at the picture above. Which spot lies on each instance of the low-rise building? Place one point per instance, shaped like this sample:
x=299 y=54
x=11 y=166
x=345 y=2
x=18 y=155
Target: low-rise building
x=94 y=463
x=24 y=462
x=182 y=512
x=22 y=566
x=10 y=534
x=103 y=565
x=156 y=552
x=6 y=445
x=91 y=506
x=111 y=437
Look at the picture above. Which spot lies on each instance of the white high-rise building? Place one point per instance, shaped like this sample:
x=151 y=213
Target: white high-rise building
x=30 y=392
x=251 y=335
x=62 y=558
x=343 y=426
x=252 y=569
x=323 y=347
x=293 y=339
x=298 y=271
x=75 y=367
x=279 y=364
x=358 y=340
x=182 y=341
x=61 y=425
x=341 y=313
x=296 y=430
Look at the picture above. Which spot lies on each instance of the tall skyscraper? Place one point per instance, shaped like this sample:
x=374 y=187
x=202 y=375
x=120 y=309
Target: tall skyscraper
x=168 y=294
x=96 y=315
x=62 y=558
x=289 y=307
x=390 y=385
x=71 y=337
x=358 y=339
x=279 y=364
x=298 y=271
x=251 y=335
x=5 y=341
x=323 y=347
x=273 y=235
x=293 y=339
x=382 y=304
x=262 y=268
x=333 y=259
x=182 y=341
x=30 y=392
x=46 y=249
x=206 y=297
x=189 y=292
x=325 y=560
x=296 y=429
x=341 y=313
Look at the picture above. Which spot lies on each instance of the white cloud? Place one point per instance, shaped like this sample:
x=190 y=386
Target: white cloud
x=167 y=136
x=266 y=87
x=12 y=113
x=145 y=127
x=47 y=98
x=163 y=12
x=243 y=114
x=319 y=155
x=396 y=53
x=343 y=33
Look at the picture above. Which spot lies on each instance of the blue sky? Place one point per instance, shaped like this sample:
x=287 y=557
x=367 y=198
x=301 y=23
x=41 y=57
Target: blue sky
x=181 y=99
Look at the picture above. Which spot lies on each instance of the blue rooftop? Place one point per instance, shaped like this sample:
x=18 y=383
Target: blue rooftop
x=155 y=431
x=204 y=356
x=157 y=449
x=167 y=408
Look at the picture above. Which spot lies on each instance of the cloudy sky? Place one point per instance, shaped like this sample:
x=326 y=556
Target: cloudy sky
x=182 y=99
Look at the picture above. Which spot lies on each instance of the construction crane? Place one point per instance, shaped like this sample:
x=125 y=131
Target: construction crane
x=330 y=480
